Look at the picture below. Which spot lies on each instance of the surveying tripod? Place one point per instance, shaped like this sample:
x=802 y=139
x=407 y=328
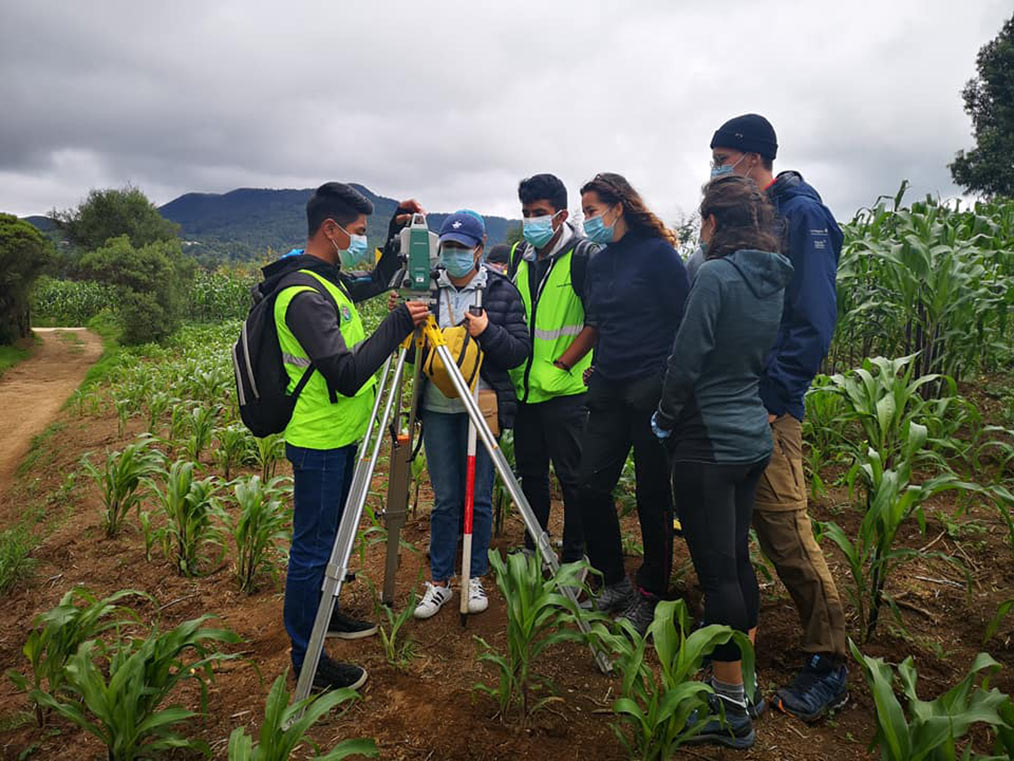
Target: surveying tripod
x=388 y=396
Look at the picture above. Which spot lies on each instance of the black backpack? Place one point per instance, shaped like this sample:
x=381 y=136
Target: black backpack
x=261 y=379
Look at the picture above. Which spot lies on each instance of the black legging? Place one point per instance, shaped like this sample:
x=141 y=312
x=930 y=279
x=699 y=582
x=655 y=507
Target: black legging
x=715 y=504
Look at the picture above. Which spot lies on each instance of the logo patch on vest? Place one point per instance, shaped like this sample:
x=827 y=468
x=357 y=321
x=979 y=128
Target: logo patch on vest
x=346 y=313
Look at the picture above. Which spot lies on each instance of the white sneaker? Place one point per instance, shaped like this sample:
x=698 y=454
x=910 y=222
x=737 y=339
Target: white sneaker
x=433 y=600
x=477 y=600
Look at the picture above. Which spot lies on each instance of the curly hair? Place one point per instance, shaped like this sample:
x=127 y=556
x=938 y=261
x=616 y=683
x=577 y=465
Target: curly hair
x=612 y=189
x=744 y=217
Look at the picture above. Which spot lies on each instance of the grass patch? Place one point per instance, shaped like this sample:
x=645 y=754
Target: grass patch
x=39 y=447
x=16 y=544
x=74 y=342
x=11 y=355
x=105 y=326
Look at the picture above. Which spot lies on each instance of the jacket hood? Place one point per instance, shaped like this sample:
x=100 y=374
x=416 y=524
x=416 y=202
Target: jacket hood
x=765 y=272
x=791 y=184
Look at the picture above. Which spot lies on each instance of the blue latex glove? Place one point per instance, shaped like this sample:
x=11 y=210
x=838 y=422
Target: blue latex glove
x=661 y=433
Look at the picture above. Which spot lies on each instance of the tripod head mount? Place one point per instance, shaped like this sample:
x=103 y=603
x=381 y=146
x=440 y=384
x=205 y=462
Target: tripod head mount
x=419 y=249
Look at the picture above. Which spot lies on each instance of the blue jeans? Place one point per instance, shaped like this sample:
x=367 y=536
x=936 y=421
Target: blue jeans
x=322 y=478
x=445 y=437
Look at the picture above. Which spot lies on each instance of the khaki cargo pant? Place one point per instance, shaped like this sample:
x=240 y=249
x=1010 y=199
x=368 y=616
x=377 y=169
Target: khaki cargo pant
x=786 y=537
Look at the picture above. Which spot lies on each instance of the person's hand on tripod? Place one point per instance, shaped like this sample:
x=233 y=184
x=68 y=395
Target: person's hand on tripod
x=419 y=311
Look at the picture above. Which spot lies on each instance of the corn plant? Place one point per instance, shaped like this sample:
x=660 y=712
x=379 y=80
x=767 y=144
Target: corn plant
x=882 y=397
x=537 y=618
x=189 y=506
x=655 y=707
x=399 y=651
x=270 y=451
x=891 y=501
x=262 y=521
x=159 y=402
x=501 y=497
x=125 y=709
x=235 y=447
x=201 y=422
x=123 y=406
x=179 y=425
x=931 y=729
x=285 y=727
x=121 y=477
x=59 y=632
x=931 y=279
x=822 y=430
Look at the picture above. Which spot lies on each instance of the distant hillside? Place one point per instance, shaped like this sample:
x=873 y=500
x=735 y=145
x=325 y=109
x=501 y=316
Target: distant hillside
x=41 y=223
x=245 y=222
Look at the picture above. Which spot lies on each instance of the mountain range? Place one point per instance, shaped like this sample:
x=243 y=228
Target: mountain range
x=245 y=222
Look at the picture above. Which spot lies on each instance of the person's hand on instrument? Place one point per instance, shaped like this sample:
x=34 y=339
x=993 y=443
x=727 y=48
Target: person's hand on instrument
x=419 y=311
x=476 y=324
x=393 y=299
x=411 y=206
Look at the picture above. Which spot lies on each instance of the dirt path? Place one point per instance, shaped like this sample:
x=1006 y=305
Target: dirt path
x=32 y=392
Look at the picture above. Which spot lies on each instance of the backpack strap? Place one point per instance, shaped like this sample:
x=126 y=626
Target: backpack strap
x=514 y=260
x=305 y=279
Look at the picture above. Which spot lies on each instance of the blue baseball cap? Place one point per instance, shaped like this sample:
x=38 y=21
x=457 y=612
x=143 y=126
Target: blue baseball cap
x=466 y=228
x=475 y=214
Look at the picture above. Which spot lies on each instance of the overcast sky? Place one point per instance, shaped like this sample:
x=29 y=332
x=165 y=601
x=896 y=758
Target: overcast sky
x=454 y=102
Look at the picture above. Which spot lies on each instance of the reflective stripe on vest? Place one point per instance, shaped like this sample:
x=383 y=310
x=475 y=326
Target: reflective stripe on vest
x=317 y=423
x=558 y=319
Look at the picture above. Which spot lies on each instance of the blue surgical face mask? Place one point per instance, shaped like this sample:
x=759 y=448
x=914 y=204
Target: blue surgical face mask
x=458 y=261
x=724 y=169
x=356 y=255
x=539 y=230
x=597 y=231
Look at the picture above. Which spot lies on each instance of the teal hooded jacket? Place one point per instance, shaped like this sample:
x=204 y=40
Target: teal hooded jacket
x=711 y=401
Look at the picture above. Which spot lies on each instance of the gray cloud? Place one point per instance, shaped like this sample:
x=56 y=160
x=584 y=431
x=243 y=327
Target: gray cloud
x=453 y=102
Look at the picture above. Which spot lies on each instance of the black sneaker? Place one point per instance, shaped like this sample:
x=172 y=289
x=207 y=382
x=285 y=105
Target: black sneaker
x=641 y=611
x=735 y=732
x=819 y=688
x=614 y=597
x=347 y=627
x=334 y=675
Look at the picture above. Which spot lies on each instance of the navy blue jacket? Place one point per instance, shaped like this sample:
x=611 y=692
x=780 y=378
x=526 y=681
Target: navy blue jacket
x=811 y=239
x=634 y=294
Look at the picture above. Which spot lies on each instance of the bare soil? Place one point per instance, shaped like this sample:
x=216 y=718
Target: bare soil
x=430 y=710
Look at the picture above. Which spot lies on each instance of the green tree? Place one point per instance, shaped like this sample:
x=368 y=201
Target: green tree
x=24 y=255
x=113 y=212
x=515 y=234
x=151 y=282
x=989 y=100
